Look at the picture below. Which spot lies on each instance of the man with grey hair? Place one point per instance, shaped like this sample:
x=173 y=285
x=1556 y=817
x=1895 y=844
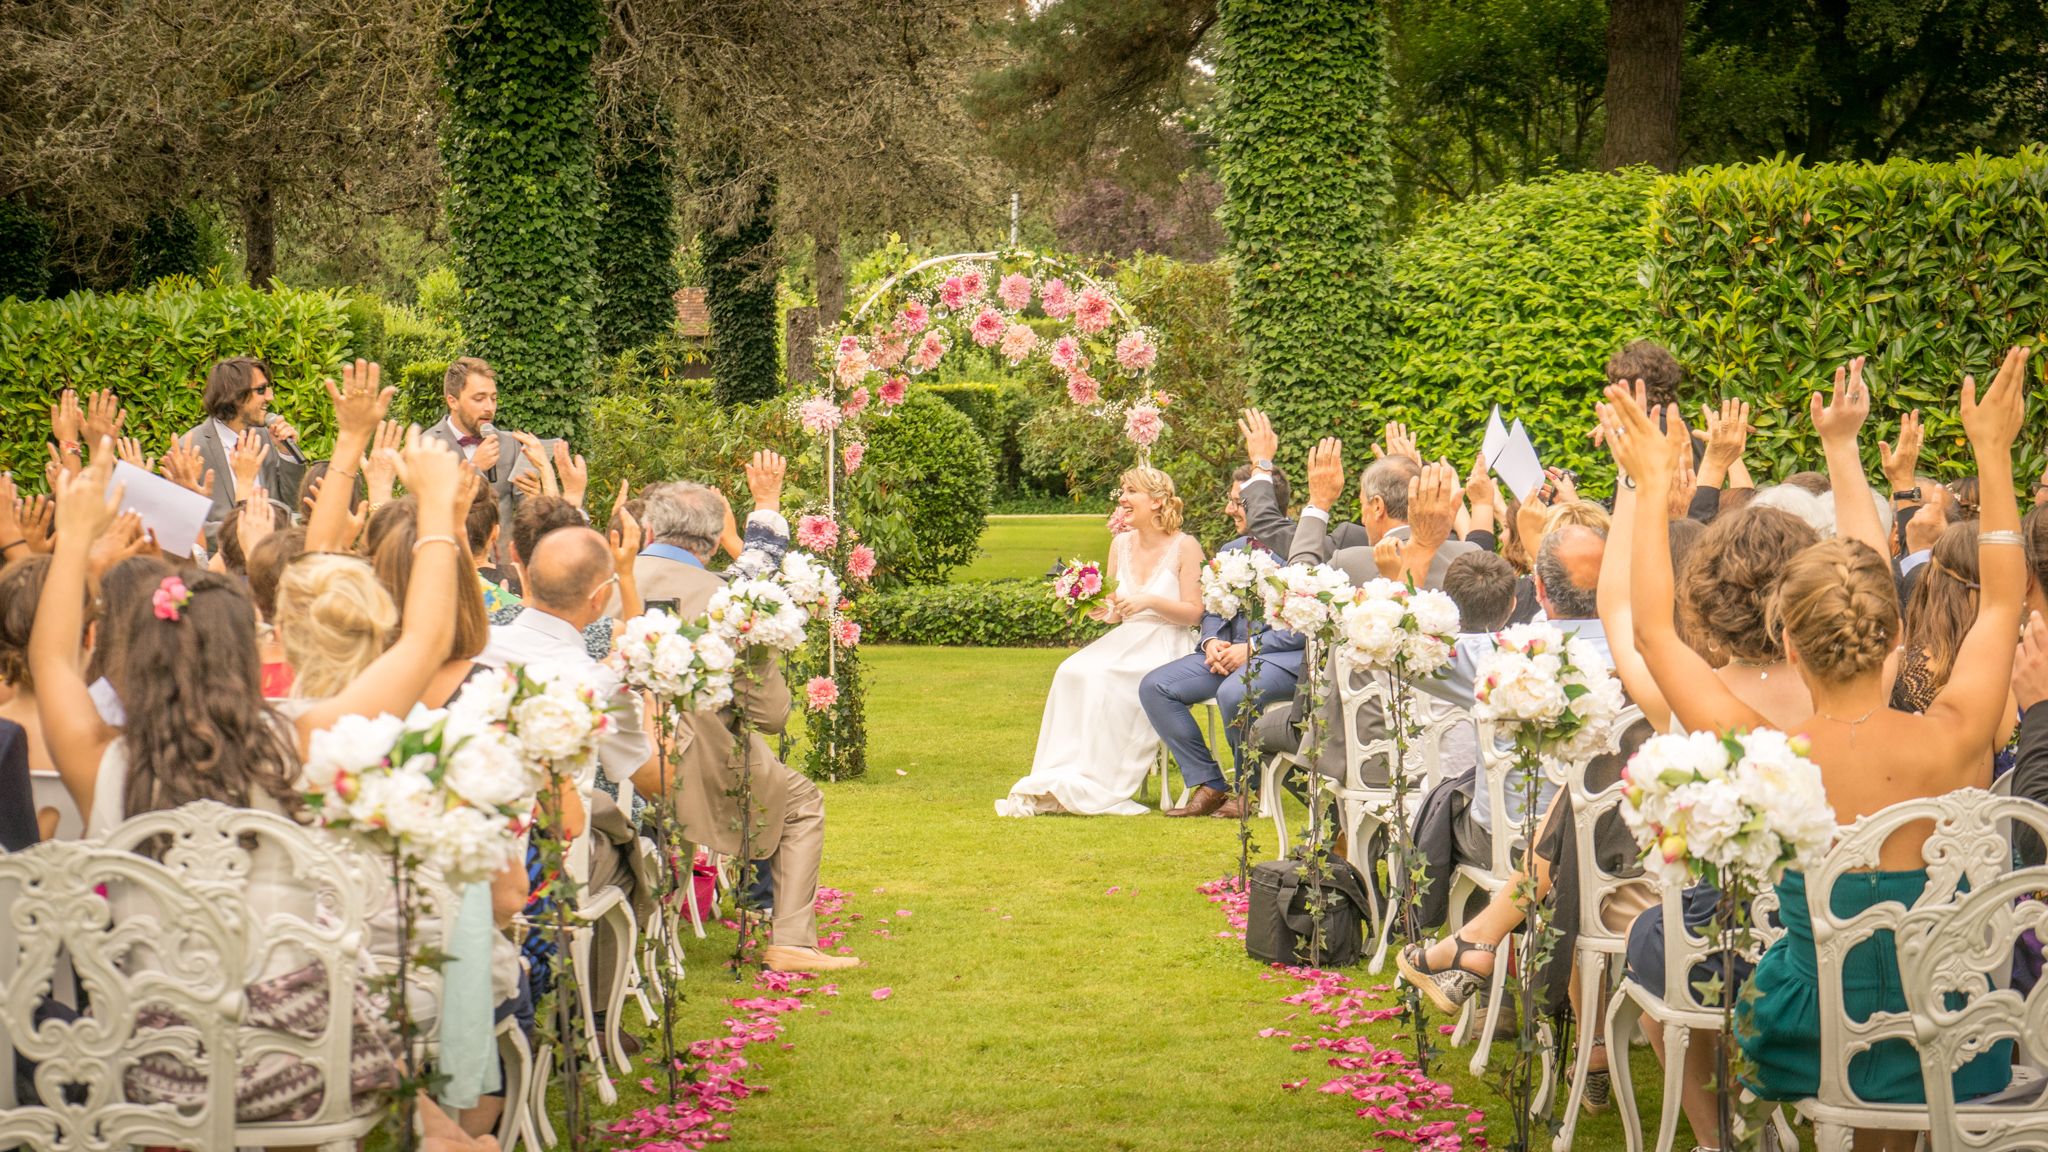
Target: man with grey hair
x=684 y=522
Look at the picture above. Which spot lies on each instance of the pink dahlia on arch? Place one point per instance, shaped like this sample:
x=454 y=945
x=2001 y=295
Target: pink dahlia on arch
x=914 y=317
x=972 y=282
x=821 y=693
x=928 y=352
x=845 y=633
x=855 y=403
x=1015 y=291
x=889 y=350
x=1142 y=424
x=1055 y=298
x=860 y=563
x=987 y=328
x=817 y=533
x=1135 y=353
x=952 y=294
x=1065 y=353
x=818 y=415
x=1082 y=388
x=893 y=391
x=1092 y=310
x=852 y=455
x=1018 y=341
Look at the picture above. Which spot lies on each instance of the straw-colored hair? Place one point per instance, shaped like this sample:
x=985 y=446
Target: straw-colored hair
x=1158 y=485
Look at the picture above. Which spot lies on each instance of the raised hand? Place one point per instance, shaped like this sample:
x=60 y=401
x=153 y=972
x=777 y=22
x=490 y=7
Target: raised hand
x=1260 y=441
x=625 y=540
x=380 y=463
x=129 y=449
x=2030 y=663
x=246 y=461
x=85 y=508
x=1397 y=442
x=1726 y=435
x=103 y=417
x=1433 y=503
x=36 y=515
x=187 y=468
x=1992 y=421
x=258 y=520
x=1902 y=462
x=1564 y=487
x=1841 y=415
x=123 y=538
x=528 y=484
x=1684 y=483
x=360 y=401
x=1388 y=555
x=472 y=485
x=1481 y=490
x=573 y=472
x=1326 y=473
x=67 y=419
x=765 y=474
x=1640 y=449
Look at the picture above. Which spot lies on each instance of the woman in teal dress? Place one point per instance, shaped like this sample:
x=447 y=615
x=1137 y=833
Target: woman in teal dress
x=1837 y=610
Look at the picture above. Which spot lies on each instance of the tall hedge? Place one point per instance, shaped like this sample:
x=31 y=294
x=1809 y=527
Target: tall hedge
x=636 y=238
x=1516 y=299
x=520 y=147
x=24 y=252
x=1307 y=190
x=153 y=348
x=1765 y=277
x=740 y=296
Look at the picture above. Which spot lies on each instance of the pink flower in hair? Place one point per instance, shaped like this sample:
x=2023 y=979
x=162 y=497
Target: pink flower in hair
x=1018 y=341
x=1015 y=291
x=1082 y=388
x=821 y=693
x=169 y=597
x=987 y=328
x=1135 y=353
x=852 y=455
x=915 y=317
x=1065 y=354
x=817 y=533
x=860 y=563
x=1055 y=298
x=928 y=352
x=846 y=633
x=1092 y=310
x=952 y=294
x=1119 y=520
x=893 y=390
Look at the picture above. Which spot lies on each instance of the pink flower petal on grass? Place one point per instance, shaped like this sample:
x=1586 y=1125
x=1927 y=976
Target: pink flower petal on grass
x=1113 y=890
x=903 y=911
x=881 y=993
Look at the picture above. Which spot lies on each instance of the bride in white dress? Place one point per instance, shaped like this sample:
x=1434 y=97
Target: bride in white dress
x=1095 y=745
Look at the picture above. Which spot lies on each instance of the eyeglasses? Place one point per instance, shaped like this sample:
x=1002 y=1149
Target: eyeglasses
x=1232 y=504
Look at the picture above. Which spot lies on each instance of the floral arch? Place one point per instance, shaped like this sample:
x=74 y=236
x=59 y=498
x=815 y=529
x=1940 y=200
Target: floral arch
x=1025 y=311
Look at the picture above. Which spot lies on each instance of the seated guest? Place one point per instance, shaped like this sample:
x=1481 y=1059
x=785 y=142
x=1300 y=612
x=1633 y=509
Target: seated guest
x=789 y=832
x=480 y=527
x=1383 y=490
x=673 y=517
x=1482 y=585
x=237 y=402
x=537 y=518
x=1214 y=671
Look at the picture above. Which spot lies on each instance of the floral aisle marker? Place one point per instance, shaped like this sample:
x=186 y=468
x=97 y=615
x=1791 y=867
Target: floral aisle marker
x=1231 y=583
x=1392 y=1093
x=1015 y=309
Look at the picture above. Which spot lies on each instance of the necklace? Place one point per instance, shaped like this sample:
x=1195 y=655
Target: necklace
x=1852 y=724
x=1763 y=666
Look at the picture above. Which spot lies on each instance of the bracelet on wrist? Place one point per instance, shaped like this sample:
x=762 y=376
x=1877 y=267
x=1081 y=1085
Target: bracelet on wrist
x=2003 y=536
x=423 y=541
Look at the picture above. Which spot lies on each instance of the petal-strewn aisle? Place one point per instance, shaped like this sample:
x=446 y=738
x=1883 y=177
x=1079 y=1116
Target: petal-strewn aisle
x=1053 y=983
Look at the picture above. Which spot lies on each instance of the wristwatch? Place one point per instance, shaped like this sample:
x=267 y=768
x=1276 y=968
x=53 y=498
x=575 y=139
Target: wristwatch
x=1912 y=493
x=1263 y=464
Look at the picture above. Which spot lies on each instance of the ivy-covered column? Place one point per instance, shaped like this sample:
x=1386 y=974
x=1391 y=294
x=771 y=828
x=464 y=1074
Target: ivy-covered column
x=1307 y=190
x=520 y=147
x=739 y=292
x=636 y=240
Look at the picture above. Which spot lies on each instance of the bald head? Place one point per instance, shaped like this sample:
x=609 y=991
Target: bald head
x=1568 y=572
x=568 y=565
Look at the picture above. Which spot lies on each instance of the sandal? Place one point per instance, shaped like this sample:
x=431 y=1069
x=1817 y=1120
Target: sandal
x=1599 y=1088
x=1447 y=988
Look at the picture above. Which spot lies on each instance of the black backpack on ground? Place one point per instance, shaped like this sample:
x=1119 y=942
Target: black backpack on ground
x=1277 y=922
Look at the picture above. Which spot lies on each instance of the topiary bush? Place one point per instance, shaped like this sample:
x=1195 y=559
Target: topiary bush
x=421 y=392
x=982 y=614
x=745 y=329
x=636 y=238
x=999 y=410
x=922 y=496
x=24 y=252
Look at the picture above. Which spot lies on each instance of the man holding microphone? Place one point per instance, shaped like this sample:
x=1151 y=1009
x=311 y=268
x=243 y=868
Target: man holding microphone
x=242 y=441
x=470 y=389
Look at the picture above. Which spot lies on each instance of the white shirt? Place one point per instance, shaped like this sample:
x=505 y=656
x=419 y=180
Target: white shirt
x=1912 y=560
x=228 y=439
x=535 y=637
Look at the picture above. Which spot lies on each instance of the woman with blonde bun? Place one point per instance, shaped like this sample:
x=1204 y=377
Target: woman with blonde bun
x=1095 y=744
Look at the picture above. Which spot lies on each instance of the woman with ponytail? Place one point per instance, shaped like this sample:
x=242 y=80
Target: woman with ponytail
x=1095 y=744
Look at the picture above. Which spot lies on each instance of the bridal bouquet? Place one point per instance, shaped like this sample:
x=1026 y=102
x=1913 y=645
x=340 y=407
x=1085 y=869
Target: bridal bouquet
x=1305 y=598
x=686 y=665
x=1740 y=807
x=757 y=613
x=442 y=787
x=1231 y=580
x=1551 y=691
x=1395 y=628
x=1079 y=585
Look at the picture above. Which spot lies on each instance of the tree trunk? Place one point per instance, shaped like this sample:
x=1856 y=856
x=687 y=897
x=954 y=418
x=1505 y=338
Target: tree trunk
x=1645 y=46
x=259 y=228
x=830 y=274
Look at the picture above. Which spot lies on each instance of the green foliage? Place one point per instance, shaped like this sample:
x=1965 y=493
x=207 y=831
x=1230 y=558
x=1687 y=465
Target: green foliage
x=655 y=367
x=1307 y=192
x=984 y=614
x=520 y=148
x=1765 y=278
x=923 y=495
x=636 y=239
x=998 y=410
x=683 y=434
x=1514 y=299
x=439 y=298
x=740 y=295
x=421 y=394
x=24 y=252
x=154 y=347
x=173 y=243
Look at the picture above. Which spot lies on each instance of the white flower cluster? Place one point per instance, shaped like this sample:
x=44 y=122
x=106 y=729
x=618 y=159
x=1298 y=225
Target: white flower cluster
x=688 y=667
x=1748 y=804
x=1553 y=692
x=558 y=713
x=1390 y=627
x=1231 y=579
x=1305 y=598
x=811 y=582
x=757 y=613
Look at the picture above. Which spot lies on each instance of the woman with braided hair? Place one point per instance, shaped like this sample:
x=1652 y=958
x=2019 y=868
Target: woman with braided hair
x=1837 y=613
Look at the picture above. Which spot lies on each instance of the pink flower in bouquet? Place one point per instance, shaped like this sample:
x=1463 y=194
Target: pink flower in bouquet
x=971 y=281
x=1065 y=353
x=1135 y=353
x=1082 y=388
x=929 y=350
x=1092 y=310
x=845 y=633
x=987 y=328
x=1018 y=341
x=860 y=563
x=1015 y=291
x=818 y=414
x=856 y=403
x=1079 y=583
x=1142 y=425
x=821 y=693
x=817 y=533
x=915 y=317
x=1119 y=520
x=1055 y=298
x=893 y=390
x=852 y=455
x=952 y=294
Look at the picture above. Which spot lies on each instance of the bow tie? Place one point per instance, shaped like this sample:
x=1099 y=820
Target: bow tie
x=470 y=441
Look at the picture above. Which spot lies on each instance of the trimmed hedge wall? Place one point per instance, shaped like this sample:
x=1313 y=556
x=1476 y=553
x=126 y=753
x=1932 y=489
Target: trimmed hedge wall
x=154 y=347
x=988 y=614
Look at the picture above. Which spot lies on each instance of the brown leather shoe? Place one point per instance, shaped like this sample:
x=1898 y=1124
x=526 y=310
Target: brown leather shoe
x=1231 y=809
x=1202 y=801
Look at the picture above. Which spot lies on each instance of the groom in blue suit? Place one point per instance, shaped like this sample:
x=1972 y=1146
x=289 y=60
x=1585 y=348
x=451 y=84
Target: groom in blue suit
x=1215 y=671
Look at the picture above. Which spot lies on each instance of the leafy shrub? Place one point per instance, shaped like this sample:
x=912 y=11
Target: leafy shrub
x=1516 y=299
x=680 y=433
x=420 y=391
x=24 y=252
x=983 y=614
x=440 y=299
x=998 y=410
x=741 y=298
x=154 y=347
x=1765 y=277
x=923 y=496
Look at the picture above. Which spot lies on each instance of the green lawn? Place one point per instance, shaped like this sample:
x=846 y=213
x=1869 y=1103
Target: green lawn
x=1023 y=547
x=1032 y=1009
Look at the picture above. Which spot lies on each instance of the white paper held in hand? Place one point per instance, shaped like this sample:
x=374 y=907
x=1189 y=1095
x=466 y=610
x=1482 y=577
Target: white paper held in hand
x=175 y=513
x=1496 y=438
x=1518 y=465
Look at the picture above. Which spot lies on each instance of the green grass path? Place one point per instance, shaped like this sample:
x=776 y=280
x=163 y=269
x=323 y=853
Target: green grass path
x=1031 y=1008
x=1023 y=547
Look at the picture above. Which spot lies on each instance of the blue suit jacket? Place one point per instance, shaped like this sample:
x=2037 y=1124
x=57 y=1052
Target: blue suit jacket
x=1276 y=646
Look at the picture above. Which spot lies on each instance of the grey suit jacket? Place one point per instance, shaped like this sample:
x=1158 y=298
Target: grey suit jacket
x=1312 y=545
x=278 y=476
x=499 y=477
x=1269 y=524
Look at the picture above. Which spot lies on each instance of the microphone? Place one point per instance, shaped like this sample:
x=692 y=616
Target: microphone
x=486 y=428
x=289 y=449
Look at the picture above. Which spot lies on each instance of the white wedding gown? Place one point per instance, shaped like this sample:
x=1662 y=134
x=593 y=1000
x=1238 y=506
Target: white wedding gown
x=1095 y=744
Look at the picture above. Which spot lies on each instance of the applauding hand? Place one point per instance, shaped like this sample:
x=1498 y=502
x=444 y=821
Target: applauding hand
x=1326 y=473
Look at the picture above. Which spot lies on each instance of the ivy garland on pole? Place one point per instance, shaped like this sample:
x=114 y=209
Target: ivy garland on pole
x=520 y=147
x=990 y=304
x=740 y=296
x=636 y=244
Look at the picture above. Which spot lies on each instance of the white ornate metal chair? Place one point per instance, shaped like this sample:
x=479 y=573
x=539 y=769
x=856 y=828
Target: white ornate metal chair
x=1955 y=947
x=50 y=792
x=1468 y=881
x=186 y=959
x=608 y=911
